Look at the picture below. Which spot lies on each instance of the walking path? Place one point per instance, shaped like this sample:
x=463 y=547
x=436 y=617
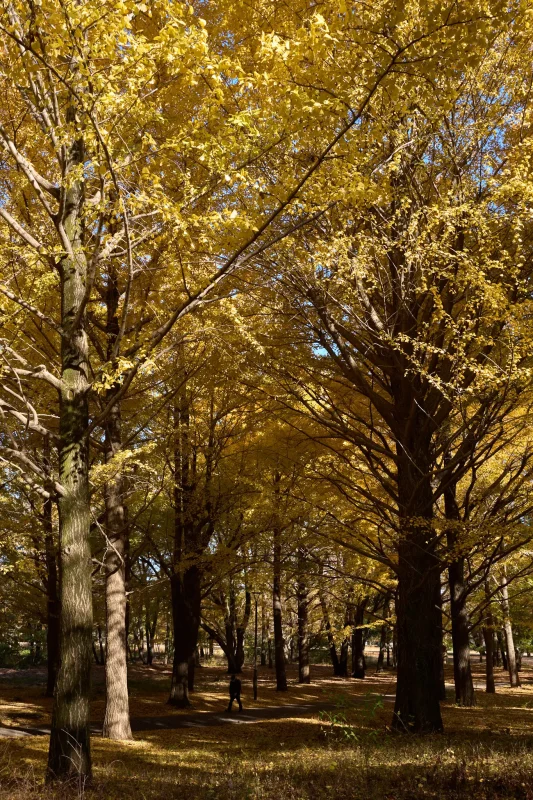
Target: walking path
x=199 y=719
x=204 y=719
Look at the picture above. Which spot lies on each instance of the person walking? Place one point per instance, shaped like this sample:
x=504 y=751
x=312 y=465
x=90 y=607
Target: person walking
x=234 y=692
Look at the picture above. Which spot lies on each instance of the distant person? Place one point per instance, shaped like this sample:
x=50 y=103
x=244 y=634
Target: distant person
x=234 y=692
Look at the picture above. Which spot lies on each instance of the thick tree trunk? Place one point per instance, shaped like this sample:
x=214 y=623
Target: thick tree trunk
x=69 y=755
x=279 y=655
x=462 y=671
x=508 y=632
x=303 y=613
x=358 y=641
x=443 y=654
x=488 y=636
x=52 y=593
x=117 y=712
x=417 y=706
x=191 y=673
x=186 y=601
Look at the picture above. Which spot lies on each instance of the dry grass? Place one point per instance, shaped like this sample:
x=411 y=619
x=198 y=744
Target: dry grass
x=486 y=752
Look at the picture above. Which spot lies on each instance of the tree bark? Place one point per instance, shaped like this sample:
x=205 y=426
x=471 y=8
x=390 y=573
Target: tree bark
x=502 y=654
x=185 y=583
x=488 y=636
x=331 y=640
x=116 y=720
x=508 y=632
x=69 y=754
x=186 y=602
x=358 y=640
x=303 y=613
x=462 y=670
x=443 y=654
x=241 y=630
x=417 y=706
x=382 y=648
x=264 y=633
x=52 y=586
x=279 y=655
x=117 y=712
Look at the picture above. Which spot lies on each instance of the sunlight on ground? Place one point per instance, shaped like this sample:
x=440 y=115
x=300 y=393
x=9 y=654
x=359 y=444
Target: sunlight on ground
x=348 y=752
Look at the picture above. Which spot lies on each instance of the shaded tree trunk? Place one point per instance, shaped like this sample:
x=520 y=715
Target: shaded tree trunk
x=279 y=654
x=69 y=755
x=358 y=640
x=343 y=659
x=501 y=657
x=241 y=630
x=185 y=584
x=417 y=705
x=508 y=632
x=186 y=601
x=303 y=612
x=52 y=585
x=382 y=648
x=117 y=712
x=462 y=671
x=488 y=636
x=264 y=633
x=331 y=641
x=191 y=672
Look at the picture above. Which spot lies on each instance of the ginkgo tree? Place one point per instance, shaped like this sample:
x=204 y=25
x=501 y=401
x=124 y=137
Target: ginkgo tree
x=149 y=154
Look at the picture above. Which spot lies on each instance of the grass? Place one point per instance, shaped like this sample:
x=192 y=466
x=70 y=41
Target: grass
x=486 y=752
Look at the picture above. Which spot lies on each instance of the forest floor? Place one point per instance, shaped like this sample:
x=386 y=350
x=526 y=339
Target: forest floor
x=297 y=752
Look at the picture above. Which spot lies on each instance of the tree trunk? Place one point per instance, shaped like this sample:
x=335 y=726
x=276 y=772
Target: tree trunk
x=501 y=651
x=508 y=632
x=382 y=647
x=241 y=630
x=279 y=655
x=52 y=587
x=186 y=600
x=117 y=712
x=329 y=633
x=488 y=636
x=462 y=671
x=101 y=648
x=191 y=673
x=443 y=654
x=417 y=706
x=358 y=641
x=264 y=633
x=303 y=634
x=149 y=651
x=185 y=584
x=69 y=756
x=270 y=660
x=343 y=659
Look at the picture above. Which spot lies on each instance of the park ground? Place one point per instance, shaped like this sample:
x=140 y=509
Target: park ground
x=347 y=750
